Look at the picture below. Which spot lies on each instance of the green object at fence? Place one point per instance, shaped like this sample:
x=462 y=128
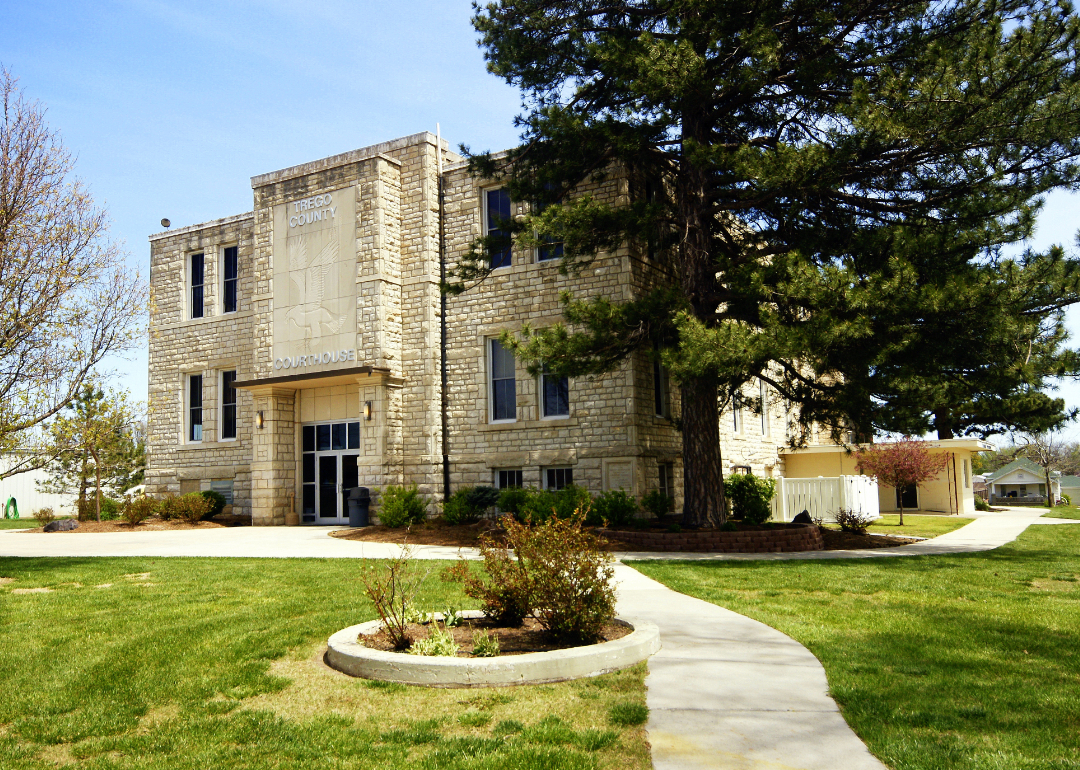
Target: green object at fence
x=11 y=510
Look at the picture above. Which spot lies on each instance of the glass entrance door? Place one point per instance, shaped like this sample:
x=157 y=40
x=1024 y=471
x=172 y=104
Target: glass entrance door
x=328 y=471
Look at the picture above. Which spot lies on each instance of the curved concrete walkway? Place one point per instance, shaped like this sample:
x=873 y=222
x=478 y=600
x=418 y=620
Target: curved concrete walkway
x=725 y=691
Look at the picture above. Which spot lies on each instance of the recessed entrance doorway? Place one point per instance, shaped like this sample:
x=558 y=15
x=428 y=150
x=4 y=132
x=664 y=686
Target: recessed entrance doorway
x=328 y=470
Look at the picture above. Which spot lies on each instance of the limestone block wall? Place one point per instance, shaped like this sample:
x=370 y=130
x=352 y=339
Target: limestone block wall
x=607 y=437
x=180 y=346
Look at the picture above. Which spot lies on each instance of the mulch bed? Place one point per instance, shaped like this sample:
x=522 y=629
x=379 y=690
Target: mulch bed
x=530 y=637
x=835 y=540
x=153 y=523
x=431 y=532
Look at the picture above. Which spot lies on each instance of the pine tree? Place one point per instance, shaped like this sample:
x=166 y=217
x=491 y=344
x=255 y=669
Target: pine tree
x=95 y=447
x=807 y=181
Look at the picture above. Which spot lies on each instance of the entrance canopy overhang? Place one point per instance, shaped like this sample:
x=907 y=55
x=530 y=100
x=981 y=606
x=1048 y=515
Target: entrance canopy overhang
x=356 y=375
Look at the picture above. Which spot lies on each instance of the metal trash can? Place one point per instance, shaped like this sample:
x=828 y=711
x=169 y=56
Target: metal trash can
x=359 y=507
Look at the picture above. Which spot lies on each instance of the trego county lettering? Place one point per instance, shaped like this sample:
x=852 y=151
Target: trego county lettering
x=313 y=209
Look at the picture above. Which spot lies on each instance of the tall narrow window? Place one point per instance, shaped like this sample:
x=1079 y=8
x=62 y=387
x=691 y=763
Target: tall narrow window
x=197 y=276
x=552 y=247
x=555 y=395
x=765 y=421
x=667 y=479
x=229 y=280
x=503 y=384
x=195 y=407
x=736 y=413
x=661 y=400
x=228 y=405
x=497 y=220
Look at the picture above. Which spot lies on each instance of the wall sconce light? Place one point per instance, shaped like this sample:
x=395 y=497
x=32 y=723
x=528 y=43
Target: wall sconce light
x=367 y=410
x=258 y=420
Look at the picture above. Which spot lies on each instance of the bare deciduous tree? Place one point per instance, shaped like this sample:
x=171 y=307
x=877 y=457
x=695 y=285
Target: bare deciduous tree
x=1047 y=450
x=67 y=298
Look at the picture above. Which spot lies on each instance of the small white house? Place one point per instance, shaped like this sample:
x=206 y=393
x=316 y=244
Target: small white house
x=1022 y=482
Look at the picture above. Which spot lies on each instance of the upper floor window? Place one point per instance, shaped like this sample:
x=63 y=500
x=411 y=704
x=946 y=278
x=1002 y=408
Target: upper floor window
x=552 y=248
x=496 y=224
x=661 y=399
x=195 y=422
x=197 y=274
x=228 y=405
x=555 y=395
x=765 y=415
x=229 y=279
x=503 y=383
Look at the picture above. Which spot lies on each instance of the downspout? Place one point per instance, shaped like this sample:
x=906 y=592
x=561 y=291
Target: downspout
x=442 y=322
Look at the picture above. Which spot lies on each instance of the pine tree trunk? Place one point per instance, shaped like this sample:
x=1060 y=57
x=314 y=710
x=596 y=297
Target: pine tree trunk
x=703 y=476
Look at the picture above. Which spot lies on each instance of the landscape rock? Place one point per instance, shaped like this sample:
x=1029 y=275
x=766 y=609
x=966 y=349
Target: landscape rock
x=802 y=518
x=63 y=525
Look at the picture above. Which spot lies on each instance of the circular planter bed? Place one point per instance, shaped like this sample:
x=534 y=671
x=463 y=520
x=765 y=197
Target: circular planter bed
x=345 y=653
x=748 y=538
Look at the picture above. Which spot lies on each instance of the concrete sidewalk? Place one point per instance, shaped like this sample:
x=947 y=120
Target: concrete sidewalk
x=726 y=691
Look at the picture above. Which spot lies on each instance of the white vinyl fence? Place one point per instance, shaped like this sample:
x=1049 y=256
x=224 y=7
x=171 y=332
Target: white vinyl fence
x=824 y=496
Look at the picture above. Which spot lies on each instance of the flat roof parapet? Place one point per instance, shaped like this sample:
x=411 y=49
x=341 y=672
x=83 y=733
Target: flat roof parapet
x=203 y=226
x=353 y=156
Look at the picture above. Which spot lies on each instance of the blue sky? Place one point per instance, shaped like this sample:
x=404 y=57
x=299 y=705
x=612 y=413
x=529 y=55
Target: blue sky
x=171 y=107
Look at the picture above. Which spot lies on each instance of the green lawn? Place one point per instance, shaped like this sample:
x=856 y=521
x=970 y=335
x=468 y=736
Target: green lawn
x=969 y=662
x=1063 y=512
x=917 y=524
x=214 y=663
x=24 y=523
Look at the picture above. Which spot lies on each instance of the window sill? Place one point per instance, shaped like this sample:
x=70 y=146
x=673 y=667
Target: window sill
x=550 y=422
x=195 y=445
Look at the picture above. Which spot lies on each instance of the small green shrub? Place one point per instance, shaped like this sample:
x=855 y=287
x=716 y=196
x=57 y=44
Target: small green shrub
x=392 y=585
x=440 y=642
x=167 y=508
x=452 y=617
x=854 y=522
x=615 y=506
x=749 y=496
x=401 y=506
x=44 y=516
x=674 y=528
x=658 y=504
x=191 y=507
x=482 y=498
x=512 y=500
x=729 y=526
x=485 y=644
x=628 y=714
x=136 y=510
x=1063 y=500
x=218 y=501
x=981 y=505
x=458 y=510
x=110 y=509
x=539 y=505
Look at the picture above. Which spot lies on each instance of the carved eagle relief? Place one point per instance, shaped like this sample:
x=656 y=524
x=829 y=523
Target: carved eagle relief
x=309 y=275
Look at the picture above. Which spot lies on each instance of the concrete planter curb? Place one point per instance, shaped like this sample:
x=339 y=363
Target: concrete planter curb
x=350 y=657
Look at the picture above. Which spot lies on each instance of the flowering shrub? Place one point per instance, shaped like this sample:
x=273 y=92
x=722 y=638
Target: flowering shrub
x=392 y=585
x=554 y=571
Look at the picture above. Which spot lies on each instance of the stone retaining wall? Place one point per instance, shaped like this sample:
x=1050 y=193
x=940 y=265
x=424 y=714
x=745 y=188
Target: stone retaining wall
x=793 y=537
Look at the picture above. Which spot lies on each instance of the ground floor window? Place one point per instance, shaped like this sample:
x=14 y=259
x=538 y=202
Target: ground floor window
x=507 y=477
x=195 y=407
x=667 y=479
x=228 y=405
x=557 y=478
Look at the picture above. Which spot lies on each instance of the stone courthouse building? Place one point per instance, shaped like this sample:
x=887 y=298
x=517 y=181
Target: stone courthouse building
x=298 y=350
